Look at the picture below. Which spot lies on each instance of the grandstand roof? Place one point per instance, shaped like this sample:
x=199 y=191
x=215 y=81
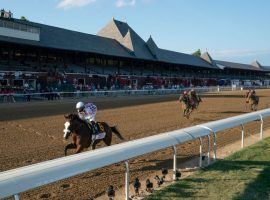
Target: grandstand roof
x=233 y=65
x=116 y=39
x=254 y=66
x=53 y=37
x=127 y=37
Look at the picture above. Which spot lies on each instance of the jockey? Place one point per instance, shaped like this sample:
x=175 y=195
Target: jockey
x=248 y=93
x=193 y=95
x=88 y=113
x=184 y=97
x=253 y=94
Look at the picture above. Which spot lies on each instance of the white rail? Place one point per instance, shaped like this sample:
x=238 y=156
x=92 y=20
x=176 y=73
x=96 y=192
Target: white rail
x=13 y=182
x=133 y=92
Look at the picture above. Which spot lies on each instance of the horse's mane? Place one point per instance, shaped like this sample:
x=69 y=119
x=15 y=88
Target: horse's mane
x=76 y=117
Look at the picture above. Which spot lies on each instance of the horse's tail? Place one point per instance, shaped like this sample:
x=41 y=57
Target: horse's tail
x=117 y=133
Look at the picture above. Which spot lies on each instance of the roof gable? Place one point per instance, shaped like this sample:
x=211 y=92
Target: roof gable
x=127 y=37
x=152 y=47
x=255 y=63
x=206 y=56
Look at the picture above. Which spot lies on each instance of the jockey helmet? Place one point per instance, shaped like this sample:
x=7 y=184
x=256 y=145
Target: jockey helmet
x=80 y=106
x=185 y=92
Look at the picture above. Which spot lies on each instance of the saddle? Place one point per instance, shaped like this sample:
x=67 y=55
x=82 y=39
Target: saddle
x=101 y=131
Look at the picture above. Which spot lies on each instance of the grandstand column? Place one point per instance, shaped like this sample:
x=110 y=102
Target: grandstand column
x=16 y=197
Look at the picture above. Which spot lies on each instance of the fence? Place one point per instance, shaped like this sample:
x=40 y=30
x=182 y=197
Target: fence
x=109 y=93
x=18 y=180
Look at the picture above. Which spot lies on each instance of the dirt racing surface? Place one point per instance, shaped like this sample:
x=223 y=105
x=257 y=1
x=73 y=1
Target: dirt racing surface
x=32 y=132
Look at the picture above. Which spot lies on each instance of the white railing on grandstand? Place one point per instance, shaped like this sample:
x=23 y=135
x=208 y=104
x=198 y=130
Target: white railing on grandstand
x=79 y=94
x=18 y=180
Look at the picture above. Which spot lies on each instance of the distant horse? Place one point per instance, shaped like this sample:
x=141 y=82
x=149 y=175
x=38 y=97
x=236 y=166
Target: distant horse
x=196 y=100
x=82 y=133
x=188 y=105
x=253 y=102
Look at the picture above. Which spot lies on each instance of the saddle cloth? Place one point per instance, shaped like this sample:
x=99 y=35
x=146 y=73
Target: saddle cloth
x=99 y=136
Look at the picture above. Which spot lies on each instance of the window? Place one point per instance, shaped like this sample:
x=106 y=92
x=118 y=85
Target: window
x=18 y=26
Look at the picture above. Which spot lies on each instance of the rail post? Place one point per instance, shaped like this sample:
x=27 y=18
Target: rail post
x=127 y=181
x=243 y=135
x=215 y=145
x=174 y=162
x=200 y=161
x=16 y=197
x=209 y=145
x=261 y=132
x=208 y=153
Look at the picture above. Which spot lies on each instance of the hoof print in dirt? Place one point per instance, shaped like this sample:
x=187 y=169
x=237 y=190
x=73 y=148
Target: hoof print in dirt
x=45 y=196
x=65 y=186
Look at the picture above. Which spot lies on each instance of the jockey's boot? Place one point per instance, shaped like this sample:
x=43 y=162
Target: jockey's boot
x=95 y=128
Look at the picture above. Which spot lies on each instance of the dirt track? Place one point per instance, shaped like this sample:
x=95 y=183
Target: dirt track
x=32 y=133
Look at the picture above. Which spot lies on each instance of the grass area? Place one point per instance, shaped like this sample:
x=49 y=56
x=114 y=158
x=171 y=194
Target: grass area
x=243 y=175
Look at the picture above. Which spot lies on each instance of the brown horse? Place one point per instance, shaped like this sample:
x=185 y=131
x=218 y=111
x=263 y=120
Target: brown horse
x=253 y=102
x=187 y=105
x=82 y=133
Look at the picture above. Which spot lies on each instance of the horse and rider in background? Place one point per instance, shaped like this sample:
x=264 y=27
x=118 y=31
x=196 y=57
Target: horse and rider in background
x=190 y=101
x=252 y=99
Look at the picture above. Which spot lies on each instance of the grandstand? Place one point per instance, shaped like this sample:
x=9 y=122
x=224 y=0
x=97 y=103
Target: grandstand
x=42 y=56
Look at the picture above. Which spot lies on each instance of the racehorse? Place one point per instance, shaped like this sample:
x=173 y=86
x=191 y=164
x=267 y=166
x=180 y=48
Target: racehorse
x=187 y=105
x=82 y=133
x=253 y=102
x=196 y=100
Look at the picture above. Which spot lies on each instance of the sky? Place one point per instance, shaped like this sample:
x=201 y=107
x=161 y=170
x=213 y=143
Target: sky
x=232 y=30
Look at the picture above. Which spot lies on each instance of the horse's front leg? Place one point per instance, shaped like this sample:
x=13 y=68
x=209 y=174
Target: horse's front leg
x=189 y=112
x=70 y=146
x=93 y=146
x=184 y=113
x=251 y=106
x=79 y=149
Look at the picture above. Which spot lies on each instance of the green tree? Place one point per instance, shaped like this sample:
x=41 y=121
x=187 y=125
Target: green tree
x=24 y=18
x=197 y=53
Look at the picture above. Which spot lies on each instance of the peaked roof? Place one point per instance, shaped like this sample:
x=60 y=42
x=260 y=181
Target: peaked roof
x=152 y=47
x=206 y=56
x=127 y=37
x=128 y=42
x=256 y=64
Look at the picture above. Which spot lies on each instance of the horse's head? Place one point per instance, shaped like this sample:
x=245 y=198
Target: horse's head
x=68 y=125
x=67 y=130
x=72 y=124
